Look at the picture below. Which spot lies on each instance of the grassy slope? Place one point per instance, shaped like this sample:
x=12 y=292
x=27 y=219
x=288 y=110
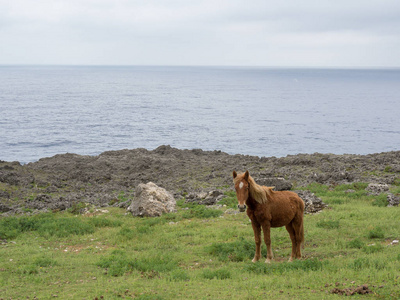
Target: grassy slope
x=195 y=254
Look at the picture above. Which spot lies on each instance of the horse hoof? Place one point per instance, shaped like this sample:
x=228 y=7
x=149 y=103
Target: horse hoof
x=255 y=260
x=267 y=261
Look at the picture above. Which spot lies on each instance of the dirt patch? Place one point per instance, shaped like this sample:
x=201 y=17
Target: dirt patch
x=361 y=290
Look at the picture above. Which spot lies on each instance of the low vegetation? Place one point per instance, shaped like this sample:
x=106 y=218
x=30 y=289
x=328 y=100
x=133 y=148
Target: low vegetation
x=202 y=253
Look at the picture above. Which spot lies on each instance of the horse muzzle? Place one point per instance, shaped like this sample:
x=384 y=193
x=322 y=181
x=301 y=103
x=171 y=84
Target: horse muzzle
x=242 y=208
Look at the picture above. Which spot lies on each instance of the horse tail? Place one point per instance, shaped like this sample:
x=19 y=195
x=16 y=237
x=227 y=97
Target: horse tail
x=302 y=233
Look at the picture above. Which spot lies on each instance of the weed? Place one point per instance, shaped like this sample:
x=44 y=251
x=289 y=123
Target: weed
x=144 y=229
x=30 y=269
x=149 y=297
x=77 y=208
x=304 y=265
x=328 y=224
x=360 y=263
x=380 y=201
x=179 y=275
x=158 y=263
x=64 y=227
x=335 y=201
x=44 y=261
x=240 y=250
x=388 y=169
x=45 y=225
x=372 y=248
x=103 y=222
x=217 y=274
x=376 y=233
x=356 y=243
x=118 y=263
x=201 y=212
x=230 y=200
x=126 y=233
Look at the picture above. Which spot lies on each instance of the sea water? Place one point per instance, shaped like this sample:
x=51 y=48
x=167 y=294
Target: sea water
x=48 y=110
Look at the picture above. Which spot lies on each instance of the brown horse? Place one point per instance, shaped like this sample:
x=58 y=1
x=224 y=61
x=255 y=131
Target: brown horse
x=267 y=208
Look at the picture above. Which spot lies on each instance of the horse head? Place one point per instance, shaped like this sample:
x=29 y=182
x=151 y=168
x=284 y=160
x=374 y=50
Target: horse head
x=242 y=189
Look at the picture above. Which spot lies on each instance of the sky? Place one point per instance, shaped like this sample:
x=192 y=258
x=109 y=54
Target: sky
x=283 y=33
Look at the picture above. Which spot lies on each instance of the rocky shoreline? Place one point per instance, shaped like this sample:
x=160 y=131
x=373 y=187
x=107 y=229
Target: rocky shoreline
x=64 y=180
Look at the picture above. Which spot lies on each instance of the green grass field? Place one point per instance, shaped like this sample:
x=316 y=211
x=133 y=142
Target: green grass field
x=200 y=253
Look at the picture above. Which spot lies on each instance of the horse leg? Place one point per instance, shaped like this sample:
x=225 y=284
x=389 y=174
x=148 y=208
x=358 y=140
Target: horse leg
x=257 y=239
x=292 y=234
x=297 y=224
x=267 y=239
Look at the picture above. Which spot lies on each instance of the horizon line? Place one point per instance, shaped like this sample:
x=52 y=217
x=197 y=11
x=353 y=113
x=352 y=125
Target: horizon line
x=203 y=66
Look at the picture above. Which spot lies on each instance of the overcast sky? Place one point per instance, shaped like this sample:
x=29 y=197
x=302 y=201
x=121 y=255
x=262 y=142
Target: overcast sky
x=333 y=33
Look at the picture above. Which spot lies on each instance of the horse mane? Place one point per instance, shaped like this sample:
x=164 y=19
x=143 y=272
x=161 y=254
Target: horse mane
x=257 y=192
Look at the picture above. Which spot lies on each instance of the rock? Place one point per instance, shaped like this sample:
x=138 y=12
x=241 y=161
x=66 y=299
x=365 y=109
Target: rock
x=280 y=184
x=151 y=201
x=393 y=200
x=4 y=208
x=44 y=201
x=4 y=194
x=313 y=204
x=376 y=188
x=231 y=211
x=100 y=179
x=205 y=198
x=15 y=178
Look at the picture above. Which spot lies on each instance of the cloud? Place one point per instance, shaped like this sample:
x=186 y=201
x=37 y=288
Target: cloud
x=208 y=32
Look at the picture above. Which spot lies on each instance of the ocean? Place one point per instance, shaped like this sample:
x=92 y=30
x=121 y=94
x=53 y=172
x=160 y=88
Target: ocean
x=48 y=110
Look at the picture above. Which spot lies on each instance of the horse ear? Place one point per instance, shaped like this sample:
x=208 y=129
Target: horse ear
x=234 y=174
x=246 y=175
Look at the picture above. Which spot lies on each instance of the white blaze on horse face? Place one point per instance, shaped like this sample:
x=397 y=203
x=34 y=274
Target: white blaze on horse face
x=241 y=185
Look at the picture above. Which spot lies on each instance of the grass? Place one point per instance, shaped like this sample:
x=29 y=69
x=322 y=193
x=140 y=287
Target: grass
x=201 y=253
